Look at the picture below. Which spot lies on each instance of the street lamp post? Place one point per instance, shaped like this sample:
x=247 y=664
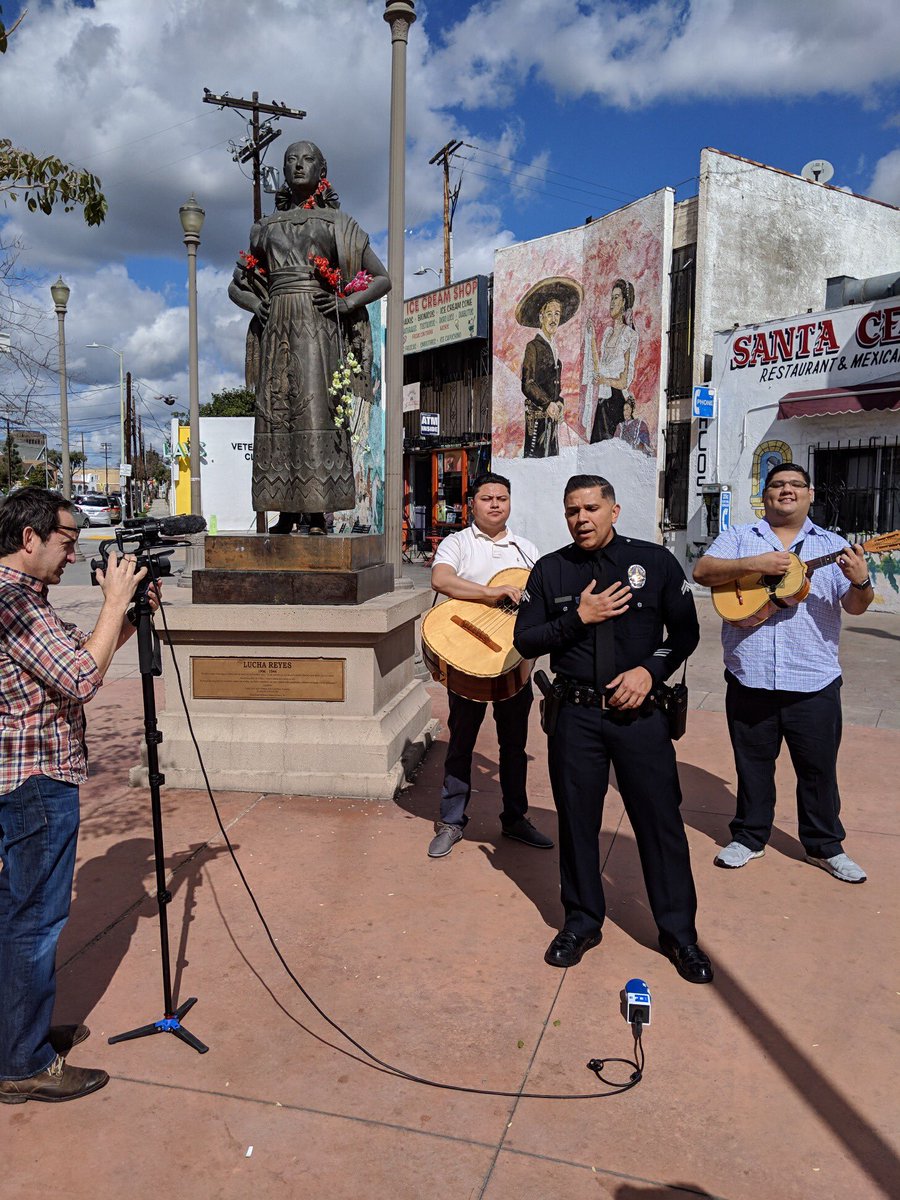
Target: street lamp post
x=192 y=222
x=399 y=15
x=121 y=357
x=433 y=270
x=192 y=215
x=60 y=293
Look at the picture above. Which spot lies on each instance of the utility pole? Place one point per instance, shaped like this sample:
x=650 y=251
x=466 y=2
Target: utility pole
x=105 y=448
x=443 y=156
x=129 y=422
x=263 y=135
x=9 y=479
x=83 y=487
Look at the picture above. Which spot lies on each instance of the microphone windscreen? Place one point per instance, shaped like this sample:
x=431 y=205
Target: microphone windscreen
x=177 y=526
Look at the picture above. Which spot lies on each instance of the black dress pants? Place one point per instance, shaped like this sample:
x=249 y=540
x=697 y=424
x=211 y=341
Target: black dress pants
x=586 y=742
x=810 y=722
x=511 y=719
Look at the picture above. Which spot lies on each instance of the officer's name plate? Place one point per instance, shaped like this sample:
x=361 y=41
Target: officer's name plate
x=320 y=679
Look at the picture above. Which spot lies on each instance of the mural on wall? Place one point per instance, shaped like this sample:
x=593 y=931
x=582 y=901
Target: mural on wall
x=367 y=440
x=578 y=361
x=544 y=307
x=768 y=454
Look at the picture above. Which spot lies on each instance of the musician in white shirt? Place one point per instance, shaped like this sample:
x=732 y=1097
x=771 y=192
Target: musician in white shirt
x=463 y=566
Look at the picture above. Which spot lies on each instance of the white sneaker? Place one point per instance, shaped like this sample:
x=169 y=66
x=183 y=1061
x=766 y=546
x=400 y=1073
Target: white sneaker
x=841 y=866
x=735 y=855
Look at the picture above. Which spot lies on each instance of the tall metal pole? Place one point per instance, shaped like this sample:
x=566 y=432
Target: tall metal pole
x=60 y=294
x=192 y=215
x=191 y=222
x=121 y=417
x=399 y=14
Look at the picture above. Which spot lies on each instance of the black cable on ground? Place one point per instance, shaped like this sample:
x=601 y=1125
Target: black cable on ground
x=595 y=1065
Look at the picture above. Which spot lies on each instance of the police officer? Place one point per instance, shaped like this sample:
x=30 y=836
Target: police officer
x=599 y=608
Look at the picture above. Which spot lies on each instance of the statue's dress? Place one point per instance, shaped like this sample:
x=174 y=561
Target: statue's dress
x=301 y=459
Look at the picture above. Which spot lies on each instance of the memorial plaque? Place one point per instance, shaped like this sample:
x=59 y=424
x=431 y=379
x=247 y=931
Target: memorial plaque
x=268 y=678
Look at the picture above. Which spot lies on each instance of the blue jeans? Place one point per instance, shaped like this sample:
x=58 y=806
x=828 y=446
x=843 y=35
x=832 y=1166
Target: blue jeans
x=38 y=837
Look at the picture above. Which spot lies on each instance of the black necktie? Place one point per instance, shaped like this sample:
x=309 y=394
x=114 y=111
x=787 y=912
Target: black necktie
x=604 y=638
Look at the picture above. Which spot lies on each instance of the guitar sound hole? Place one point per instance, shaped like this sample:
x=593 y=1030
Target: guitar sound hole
x=772 y=581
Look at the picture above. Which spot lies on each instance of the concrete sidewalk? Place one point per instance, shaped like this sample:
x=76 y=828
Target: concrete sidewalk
x=778 y=1081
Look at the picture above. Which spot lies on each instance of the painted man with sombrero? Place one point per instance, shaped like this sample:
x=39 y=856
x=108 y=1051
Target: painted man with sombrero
x=546 y=306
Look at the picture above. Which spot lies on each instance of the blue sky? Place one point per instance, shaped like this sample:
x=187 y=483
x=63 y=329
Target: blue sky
x=575 y=108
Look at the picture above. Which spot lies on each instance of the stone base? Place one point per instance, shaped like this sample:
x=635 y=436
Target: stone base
x=361 y=746
x=292 y=587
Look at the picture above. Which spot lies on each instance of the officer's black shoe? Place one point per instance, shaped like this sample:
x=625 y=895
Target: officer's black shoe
x=567 y=948
x=523 y=831
x=690 y=962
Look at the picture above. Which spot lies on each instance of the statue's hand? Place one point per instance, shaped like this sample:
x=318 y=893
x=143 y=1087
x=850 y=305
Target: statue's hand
x=330 y=304
x=262 y=310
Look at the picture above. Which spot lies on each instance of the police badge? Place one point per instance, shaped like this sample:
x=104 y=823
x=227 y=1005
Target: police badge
x=637 y=576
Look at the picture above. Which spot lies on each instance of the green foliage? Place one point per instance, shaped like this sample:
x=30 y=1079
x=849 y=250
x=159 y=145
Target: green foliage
x=45 y=182
x=10 y=455
x=233 y=402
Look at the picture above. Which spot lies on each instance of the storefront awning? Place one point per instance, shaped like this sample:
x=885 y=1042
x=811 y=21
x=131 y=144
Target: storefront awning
x=856 y=397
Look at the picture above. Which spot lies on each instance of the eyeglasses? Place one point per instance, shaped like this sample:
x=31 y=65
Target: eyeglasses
x=67 y=529
x=785 y=484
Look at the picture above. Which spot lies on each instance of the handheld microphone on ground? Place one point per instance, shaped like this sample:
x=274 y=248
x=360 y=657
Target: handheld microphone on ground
x=636 y=1002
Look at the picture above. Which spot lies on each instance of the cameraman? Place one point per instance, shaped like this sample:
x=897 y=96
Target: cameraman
x=48 y=671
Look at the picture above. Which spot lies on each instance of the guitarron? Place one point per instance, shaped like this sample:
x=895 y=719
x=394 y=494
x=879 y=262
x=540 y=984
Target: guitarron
x=468 y=647
x=750 y=600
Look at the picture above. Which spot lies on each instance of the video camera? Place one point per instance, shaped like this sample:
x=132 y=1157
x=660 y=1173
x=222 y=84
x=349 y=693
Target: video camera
x=151 y=542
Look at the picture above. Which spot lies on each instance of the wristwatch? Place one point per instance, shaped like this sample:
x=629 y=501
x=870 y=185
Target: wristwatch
x=861 y=587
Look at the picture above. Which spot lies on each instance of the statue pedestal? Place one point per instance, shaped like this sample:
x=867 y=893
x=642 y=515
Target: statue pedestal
x=314 y=699
x=263 y=568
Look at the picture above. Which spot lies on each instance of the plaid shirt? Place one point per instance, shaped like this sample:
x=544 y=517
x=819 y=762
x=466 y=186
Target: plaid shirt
x=796 y=649
x=46 y=678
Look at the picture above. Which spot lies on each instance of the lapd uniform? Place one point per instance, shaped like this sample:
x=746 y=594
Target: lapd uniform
x=658 y=631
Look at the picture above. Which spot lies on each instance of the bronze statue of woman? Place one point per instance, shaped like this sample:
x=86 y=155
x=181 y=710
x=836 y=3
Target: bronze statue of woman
x=302 y=460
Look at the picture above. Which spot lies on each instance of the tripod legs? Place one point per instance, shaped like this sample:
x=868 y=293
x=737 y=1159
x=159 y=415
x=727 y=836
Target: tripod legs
x=148 y=659
x=165 y=1025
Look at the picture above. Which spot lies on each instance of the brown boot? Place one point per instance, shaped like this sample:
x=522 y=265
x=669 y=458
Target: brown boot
x=64 y=1038
x=59 y=1082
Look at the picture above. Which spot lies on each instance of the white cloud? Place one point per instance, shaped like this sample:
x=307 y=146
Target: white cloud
x=885 y=183
x=671 y=49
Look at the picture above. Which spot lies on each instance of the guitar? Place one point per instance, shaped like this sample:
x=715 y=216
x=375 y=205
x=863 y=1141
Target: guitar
x=467 y=645
x=750 y=600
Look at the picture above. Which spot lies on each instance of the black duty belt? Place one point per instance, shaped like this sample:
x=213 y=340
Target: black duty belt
x=581 y=693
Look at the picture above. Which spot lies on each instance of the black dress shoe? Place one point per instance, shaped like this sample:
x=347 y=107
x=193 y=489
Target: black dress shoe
x=690 y=962
x=567 y=948
x=523 y=831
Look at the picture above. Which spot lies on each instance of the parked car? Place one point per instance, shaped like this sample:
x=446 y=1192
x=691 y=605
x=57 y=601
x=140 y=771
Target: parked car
x=99 y=509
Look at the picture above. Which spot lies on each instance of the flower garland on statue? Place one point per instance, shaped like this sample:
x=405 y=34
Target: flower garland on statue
x=341 y=386
x=253 y=274
x=323 y=187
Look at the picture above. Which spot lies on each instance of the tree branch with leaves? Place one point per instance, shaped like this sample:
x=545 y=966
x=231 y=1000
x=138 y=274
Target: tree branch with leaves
x=43 y=183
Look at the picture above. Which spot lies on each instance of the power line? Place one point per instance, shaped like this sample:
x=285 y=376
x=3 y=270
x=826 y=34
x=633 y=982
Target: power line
x=551 y=171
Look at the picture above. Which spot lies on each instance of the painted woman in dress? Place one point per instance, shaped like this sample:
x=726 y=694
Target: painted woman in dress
x=302 y=460
x=633 y=431
x=612 y=370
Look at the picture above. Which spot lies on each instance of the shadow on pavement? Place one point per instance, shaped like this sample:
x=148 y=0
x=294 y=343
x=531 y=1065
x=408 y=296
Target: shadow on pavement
x=708 y=806
x=110 y=881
